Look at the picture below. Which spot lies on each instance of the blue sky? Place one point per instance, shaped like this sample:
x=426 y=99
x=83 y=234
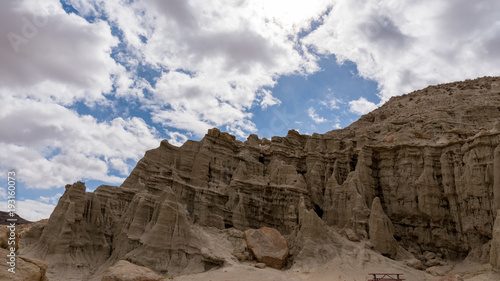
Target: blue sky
x=88 y=86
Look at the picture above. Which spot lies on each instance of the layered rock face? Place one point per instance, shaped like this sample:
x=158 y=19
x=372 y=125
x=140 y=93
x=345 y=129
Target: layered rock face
x=432 y=158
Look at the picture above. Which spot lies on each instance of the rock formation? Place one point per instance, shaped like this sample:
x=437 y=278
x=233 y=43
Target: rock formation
x=126 y=271
x=495 y=245
x=268 y=246
x=382 y=231
x=312 y=242
x=25 y=268
x=432 y=157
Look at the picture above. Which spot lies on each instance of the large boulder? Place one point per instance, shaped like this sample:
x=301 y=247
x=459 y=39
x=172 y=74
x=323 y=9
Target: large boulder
x=495 y=245
x=25 y=269
x=126 y=271
x=268 y=246
x=4 y=239
x=382 y=231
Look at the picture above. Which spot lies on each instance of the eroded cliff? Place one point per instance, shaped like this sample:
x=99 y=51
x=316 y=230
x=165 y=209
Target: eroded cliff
x=432 y=158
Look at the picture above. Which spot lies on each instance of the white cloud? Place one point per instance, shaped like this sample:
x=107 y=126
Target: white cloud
x=120 y=165
x=314 y=116
x=51 y=200
x=336 y=124
x=31 y=210
x=361 y=106
x=3 y=193
x=331 y=102
x=176 y=138
x=268 y=99
x=50 y=60
x=407 y=45
x=216 y=57
x=47 y=54
x=51 y=145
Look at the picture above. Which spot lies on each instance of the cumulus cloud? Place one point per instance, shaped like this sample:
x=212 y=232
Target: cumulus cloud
x=314 y=116
x=33 y=210
x=51 y=200
x=51 y=145
x=50 y=61
x=268 y=99
x=215 y=57
x=336 y=123
x=176 y=138
x=361 y=106
x=331 y=102
x=224 y=61
x=407 y=45
x=47 y=54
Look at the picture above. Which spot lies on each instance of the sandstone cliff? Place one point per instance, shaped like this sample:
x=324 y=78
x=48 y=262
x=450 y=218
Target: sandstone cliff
x=432 y=157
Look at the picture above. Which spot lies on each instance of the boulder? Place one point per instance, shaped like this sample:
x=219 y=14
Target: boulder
x=415 y=263
x=4 y=239
x=429 y=256
x=25 y=269
x=268 y=246
x=260 y=265
x=351 y=235
x=434 y=262
x=126 y=271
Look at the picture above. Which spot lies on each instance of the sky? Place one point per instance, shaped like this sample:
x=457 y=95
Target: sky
x=87 y=86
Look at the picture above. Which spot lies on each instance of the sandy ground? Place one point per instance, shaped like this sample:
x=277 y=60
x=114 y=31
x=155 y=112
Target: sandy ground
x=339 y=270
x=326 y=272
x=475 y=272
x=354 y=262
x=350 y=267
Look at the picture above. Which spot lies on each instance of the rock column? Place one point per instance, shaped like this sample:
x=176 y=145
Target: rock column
x=382 y=231
x=496 y=183
x=495 y=245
